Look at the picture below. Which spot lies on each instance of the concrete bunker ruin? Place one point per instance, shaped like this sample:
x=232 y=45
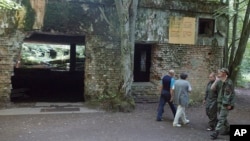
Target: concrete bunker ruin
x=95 y=26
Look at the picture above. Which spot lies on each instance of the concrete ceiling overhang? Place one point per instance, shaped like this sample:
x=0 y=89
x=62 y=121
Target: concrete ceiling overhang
x=51 y=38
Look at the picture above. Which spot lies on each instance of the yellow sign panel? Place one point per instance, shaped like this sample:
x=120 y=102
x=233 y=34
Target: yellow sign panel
x=182 y=30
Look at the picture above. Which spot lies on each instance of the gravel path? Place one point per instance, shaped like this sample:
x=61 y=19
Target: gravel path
x=139 y=125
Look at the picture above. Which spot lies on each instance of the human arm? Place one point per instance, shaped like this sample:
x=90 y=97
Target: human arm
x=160 y=88
x=229 y=95
x=206 y=93
x=205 y=99
x=172 y=94
x=172 y=89
x=189 y=87
x=215 y=84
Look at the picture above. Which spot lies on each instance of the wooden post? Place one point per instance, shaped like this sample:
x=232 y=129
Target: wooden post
x=72 y=57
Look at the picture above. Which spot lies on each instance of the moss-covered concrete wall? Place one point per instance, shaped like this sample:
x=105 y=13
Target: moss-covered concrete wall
x=199 y=59
x=98 y=21
x=81 y=17
x=10 y=41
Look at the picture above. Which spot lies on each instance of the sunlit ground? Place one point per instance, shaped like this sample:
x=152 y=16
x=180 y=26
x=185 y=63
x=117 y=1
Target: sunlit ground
x=246 y=80
x=247 y=77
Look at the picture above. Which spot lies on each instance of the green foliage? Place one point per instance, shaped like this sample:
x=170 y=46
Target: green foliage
x=245 y=65
x=29 y=17
x=229 y=11
x=33 y=54
x=113 y=101
x=243 y=80
x=196 y=97
x=8 y=8
x=9 y=5
x=244 y=75
x=50 y=56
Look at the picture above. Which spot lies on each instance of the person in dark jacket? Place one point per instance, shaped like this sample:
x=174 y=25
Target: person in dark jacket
x=210 y=100
x=166 y=94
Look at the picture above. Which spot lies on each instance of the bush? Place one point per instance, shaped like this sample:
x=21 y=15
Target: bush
x=196 y=97
x=243 y=81
x=115 y=102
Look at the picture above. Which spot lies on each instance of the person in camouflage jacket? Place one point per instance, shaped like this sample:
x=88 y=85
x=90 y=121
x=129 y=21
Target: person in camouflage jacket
x=225 y=101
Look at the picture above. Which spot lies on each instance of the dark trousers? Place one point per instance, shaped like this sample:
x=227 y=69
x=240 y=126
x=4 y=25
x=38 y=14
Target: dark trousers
x=165 y=98
x=211 y=111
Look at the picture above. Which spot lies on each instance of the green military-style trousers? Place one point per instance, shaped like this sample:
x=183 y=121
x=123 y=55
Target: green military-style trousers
x=211 y=111
x=223 y=125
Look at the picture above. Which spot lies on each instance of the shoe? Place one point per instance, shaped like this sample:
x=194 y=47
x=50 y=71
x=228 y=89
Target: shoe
x=187 y=122
x=176 y=125
x=158 y=119
x=214 y=135
x=210 y=129
x=224 y=133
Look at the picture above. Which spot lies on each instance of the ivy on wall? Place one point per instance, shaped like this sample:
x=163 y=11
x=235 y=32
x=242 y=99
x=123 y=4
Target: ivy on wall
x=8 y=9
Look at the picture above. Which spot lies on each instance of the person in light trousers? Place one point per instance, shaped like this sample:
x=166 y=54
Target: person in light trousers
x=181 y=98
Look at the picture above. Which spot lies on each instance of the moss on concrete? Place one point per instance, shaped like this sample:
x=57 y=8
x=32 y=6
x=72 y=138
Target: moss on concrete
x=29 y=19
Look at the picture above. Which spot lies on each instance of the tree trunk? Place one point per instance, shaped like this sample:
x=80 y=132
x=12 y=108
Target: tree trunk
x=226 y=48
x=235 y=66
x=127 y=10
x=234 y=34
x=132 y=20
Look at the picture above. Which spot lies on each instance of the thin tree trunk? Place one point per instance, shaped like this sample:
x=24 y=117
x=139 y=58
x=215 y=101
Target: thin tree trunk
x=235 y=67
x=133 y=14
x=246 y=19
x=234 y=36
x=226 y=48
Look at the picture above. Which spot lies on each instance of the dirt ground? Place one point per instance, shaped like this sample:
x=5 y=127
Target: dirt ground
x=140 y=125
x=195 y=131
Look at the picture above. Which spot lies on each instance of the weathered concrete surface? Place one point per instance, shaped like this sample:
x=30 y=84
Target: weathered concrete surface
x=97 y=20
x=103 y=126
x=47 y=108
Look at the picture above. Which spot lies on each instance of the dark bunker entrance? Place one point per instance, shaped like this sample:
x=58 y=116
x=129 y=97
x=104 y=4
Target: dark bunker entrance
x=49 y=68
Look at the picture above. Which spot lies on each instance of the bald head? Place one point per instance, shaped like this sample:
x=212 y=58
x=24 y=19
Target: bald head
x=171 y=72
x=212 y=76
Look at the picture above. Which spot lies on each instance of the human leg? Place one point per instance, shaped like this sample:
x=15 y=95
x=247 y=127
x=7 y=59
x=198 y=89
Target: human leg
x=172 y=107
x=209 y=128
x=184 y=117
x=212 y=115
x=160 y=110
x=222 y=121
x=178 y=115
x=226 y=128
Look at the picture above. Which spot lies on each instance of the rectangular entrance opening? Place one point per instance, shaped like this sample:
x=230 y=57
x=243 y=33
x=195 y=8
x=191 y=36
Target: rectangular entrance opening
x=142 y=62
x=50 y=70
